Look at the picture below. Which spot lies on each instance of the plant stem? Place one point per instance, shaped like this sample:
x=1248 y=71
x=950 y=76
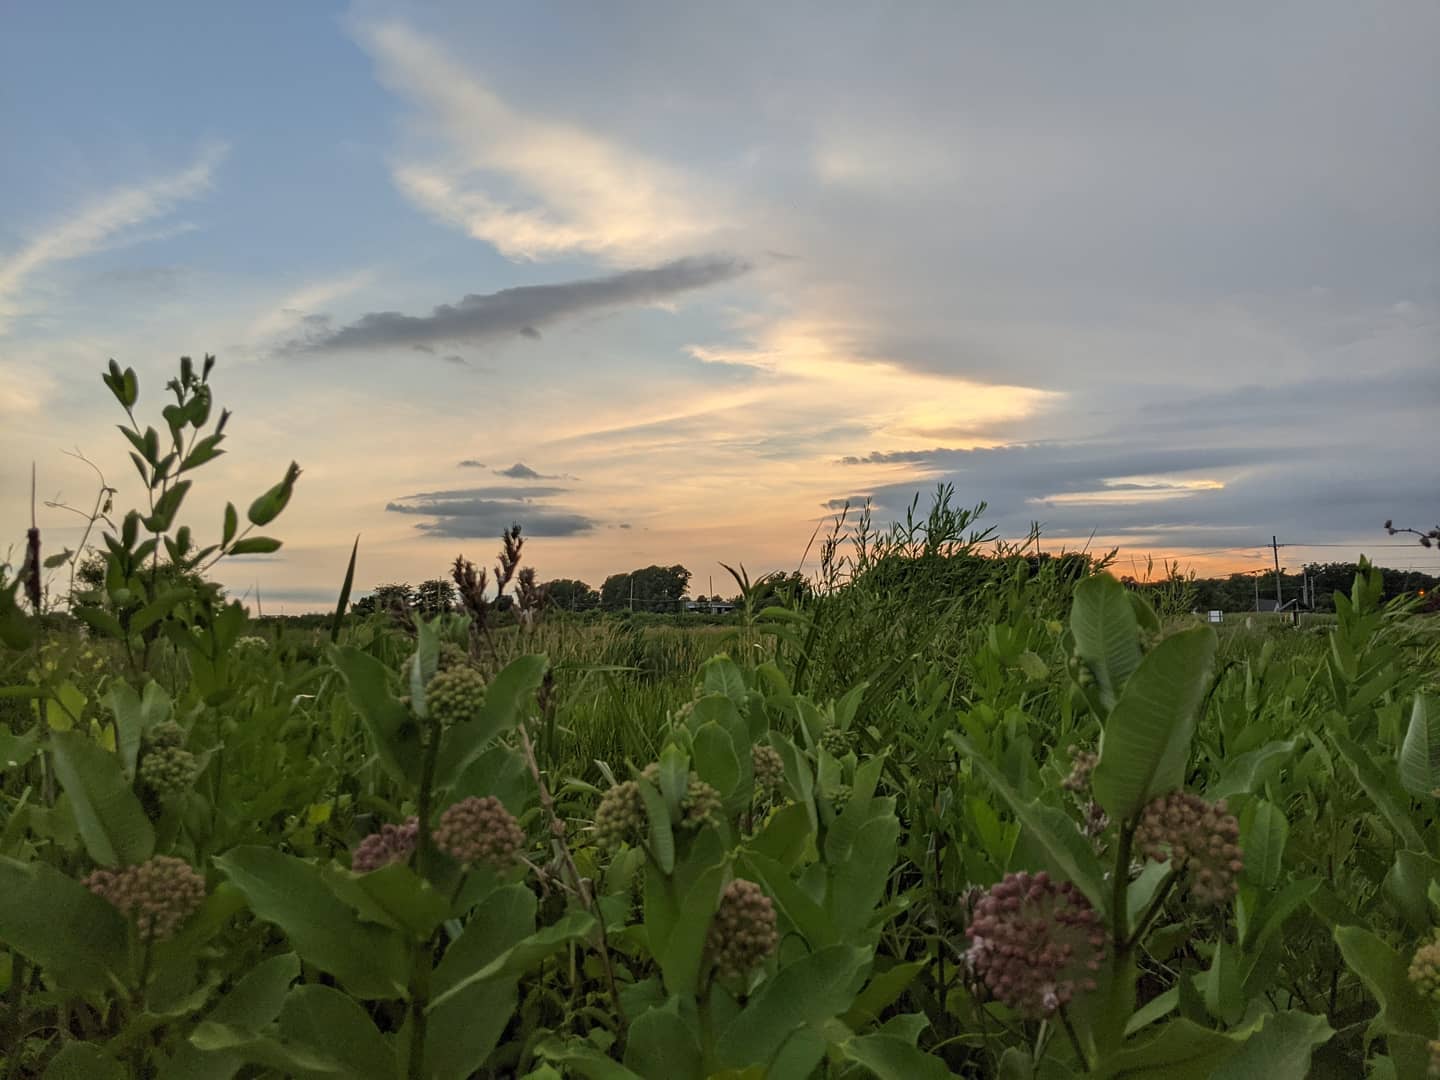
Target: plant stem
x=419 y=1002
x=1074 y=1039
x=1154 y=909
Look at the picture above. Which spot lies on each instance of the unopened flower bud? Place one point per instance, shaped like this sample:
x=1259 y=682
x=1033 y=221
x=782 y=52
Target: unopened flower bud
x=1425 y=970
x=743 y=932
x=1035 y=944
x=836 y=742
x=769 y=768
x=455 y=695
x=158 y=895
x=480 y=830
x=168 y=770
x=620 y=815
x=165 y=733
x=1082 y=763
x=393 y=843
x=702 y=805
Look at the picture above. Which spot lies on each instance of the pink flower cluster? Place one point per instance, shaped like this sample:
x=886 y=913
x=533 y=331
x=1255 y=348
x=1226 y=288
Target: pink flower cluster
x=480 y=830
x=393 y=843
x=158 y=894
x=1034 y=943
x=743 y=933
x=1198 y=837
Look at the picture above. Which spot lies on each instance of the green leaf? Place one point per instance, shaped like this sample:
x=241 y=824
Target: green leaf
x=83 y=1061
x=265 y=1050
x=1280 y=1050
x=393 y=731
x=1379 y=788
x=232 y=524
x=1263 y=832
x=1181 y=1050
x=254 y=545
x=1107 y=637
x=78 y=938
x=135 y=714
x=1408 y=884
x=810 y=919
x=372 y=962
x=345 y=588
x=891 y=1058
x=662 y=839
x=16 y=750
x=463 y=1031
x=1385 y=974
x=1146 y=742
x=267 y=507
x=207 y=449
x=881 y=992
x=521 y=957
x=694 y=895
x=111 y=821
x=393 y=896
x=506 y=700
x=334 y=1026
x=1071 y=855
x=860 y=865
x=663 y=1043
x=1248 y=772
x=585 y=1061
x=808 y=992
x=1224 y=998
x=1420 y=752
x=101 y=620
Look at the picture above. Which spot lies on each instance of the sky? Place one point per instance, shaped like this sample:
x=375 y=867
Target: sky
x=670 y=283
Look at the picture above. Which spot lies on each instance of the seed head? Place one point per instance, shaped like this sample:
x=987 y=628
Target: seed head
x=454 y=695
x=1199 y=837
x=1425 y=970
x=620 y=815
x=769 y=768
x=158 y=895
x=1034 y=943
x=393 y=843
x=480 y=830
x=743 y=931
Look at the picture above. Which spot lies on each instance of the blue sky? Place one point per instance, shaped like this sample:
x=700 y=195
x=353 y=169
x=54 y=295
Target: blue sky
x=1162 y=275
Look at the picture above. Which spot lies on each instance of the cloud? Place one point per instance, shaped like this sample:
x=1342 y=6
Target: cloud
x=531 y=186
x=485 y=512
x=521 y=471
x=456 y=359
x=485 y=317
x=298 y=306
x=471 y=463
x=103 y=223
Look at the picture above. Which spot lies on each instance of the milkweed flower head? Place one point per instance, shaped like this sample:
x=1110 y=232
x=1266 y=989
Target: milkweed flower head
x=1198 y=837
x=1034 y=943
x=480 y=830
x=743 y=932
x=157 y=895
x=393 y=843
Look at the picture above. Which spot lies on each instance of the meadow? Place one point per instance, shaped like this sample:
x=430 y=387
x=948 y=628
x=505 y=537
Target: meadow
x=961 y=809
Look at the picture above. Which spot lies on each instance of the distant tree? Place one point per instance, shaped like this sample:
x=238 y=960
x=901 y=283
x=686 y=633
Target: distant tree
x=385 y=598
x=649 y=589
x=571 y=594
x=435 y=597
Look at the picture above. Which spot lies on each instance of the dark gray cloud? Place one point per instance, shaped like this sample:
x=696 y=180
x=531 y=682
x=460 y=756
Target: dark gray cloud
x=841 y=504
x=521 y=471
x=471 y=463
x=483 y=512
x=456 y=358
x=489 y=316
x=530 y=332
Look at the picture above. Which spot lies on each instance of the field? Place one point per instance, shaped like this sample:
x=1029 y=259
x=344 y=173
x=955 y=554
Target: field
x=960 y=810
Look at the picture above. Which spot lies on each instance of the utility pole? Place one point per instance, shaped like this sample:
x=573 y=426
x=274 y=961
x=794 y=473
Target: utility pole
x=1275 y=547
x=1256 y=580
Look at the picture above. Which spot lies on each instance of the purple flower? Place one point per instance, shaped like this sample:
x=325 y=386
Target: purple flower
x=157 y=895
x=393 y=843
x=1034 y=943
x=1199 y=838
x=480 y=830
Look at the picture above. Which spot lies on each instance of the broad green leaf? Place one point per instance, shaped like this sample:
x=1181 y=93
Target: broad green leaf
x=1420 y=752
x=1385 y=974
x=696 y=889
x=135 y=714
x=892 y=1058
x=1246 y=773
x=719 y=675
x=83 y=1061
x=881 y=992
x=807 y=992
x=463 y=1030
x=585 y=1061
x=16 y=750
x=506 y=699
x=78 y=938
x=111 y=821
x=393 y=732
x=1181 y=1050
x=1071 y=855
x=255 y=545
x=393 y=896
x=263 y=1049
x=1408 y=884
x=371 y=961
x=1263 y=832
x=522 y=956
x=64 y=707
x=717 y=762
x=786 y=836
x=792 y=903
x=1280 y=1050
x=663 y=1043
x=101 y=620
x=335 y=1026
x=1107 y=636
x=662 y=838
x=860 y=873
x=1146 y=743
x=1224 y=999
x=1378 y=787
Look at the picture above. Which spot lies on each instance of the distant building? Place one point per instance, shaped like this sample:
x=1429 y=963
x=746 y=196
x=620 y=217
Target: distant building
x=709 y=607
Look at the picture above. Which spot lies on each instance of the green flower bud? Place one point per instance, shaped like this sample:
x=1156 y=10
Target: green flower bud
x=480 y=830
x=455 y=695
x=836 y=742
x=769 y=768
x=168 y=770
x=620 y=815
x=743 y=932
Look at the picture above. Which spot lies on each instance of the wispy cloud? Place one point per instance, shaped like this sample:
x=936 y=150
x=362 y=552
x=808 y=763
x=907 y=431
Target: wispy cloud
x=485 y=317
x=103 y=223
x=532 y=186
x=292 y=308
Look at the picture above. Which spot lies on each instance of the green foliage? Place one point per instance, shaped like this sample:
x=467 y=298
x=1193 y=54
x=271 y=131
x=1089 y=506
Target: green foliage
x=934 y=720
